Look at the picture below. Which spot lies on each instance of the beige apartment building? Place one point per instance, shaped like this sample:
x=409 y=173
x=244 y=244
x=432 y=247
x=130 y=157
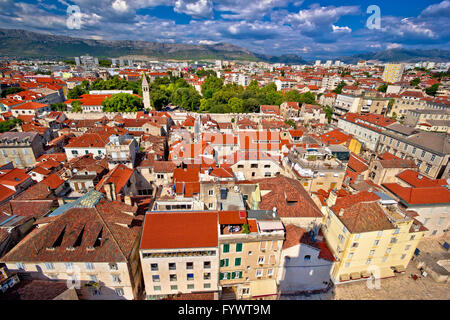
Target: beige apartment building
x=94 y=247
x=121 y=150
x=179 y=253
x=316 y=168
x=369 y=235
x=250 y=248
x=22 y=148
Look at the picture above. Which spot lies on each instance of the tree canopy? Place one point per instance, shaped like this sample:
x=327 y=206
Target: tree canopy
x=122 y=102
x=11 y=90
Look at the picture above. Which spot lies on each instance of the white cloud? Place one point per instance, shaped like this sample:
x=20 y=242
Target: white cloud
x=195 y=8
x=341 y=29
x=120 y=5
x=207 y=42
x=393 y=46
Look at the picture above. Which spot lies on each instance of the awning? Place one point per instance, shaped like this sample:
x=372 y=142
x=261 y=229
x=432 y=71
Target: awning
x=344 y=277
x=270 y=225
x=261 y=288
x=365 y=274
x=355 y=275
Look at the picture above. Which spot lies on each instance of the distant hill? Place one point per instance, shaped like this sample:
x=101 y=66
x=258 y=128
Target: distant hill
x=26 y=44
x=285 y=58
x=401 y=55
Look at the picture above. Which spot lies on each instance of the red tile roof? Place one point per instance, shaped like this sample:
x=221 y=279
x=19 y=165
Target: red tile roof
x=30 y=106
x=284 y=190
x=417 y=180
x=119 y=175
x=180 y=230
x=422 y=195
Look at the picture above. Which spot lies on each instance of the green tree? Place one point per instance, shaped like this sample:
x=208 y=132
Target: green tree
x=415 y=82
x=383 y=88
x=431 y=91
x=76 y=92
x=122 y=102
x=328 y=112
x=291 y=123
x=11 y=90
x=210 y=86
x=339 y=87
x=236 y=105
x=9 y=124
x=76 y=106
x=58 y=106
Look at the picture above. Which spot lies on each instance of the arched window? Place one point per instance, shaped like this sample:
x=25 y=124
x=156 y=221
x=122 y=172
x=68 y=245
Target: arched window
x=307 y=257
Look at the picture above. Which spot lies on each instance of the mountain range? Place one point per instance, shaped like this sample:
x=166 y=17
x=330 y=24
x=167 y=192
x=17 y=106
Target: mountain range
x=15 y=43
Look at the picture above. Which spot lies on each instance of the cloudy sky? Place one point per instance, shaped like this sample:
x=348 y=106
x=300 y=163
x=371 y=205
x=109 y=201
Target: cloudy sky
x=310 y=28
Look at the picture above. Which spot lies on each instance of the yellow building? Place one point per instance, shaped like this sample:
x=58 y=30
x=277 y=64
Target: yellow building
x=369 y=236
x=393 y=72
x=249 y=253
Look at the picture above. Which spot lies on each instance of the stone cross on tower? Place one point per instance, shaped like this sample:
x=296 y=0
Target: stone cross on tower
x=146 y=93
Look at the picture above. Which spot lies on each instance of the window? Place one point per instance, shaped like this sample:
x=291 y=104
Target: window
x=384 y=259
x=372 y=252
x=154 y=266
x=412 y=238
x=267 y=166
x=347 y=264
x=355 y=245
x=238 y=247
x=369 y=261
x=237 y=261
x=69 y=265
x=155 y=278
x=93 y=278
x=423 y=154
x=20 y=266
x=269 y=272
x=396 y=231
x=172 y=277
x=433 y=157
x=261 y=260
x=116 y=278
x=350 y=255
x=113 y=266
x=175 y=287
x=245 y=291
x=341 y=238
x=403 y=256
x=388 y=250
x=89 y=265
x=159 y=176
x=210 y=205
x=307 y=258
x=254 y=165
x=357 y=236
x=240 y=166
x=189 y=265
x=211 y=192
x=206 y=285
x=226 y=248
x=157 y=288
x=425 y=221
x=259 y=273
x=119 y=291
x=375 y=243
x=207 y=264
x=190 y=286
x=407 y=247
x=414 y=150
x=380 y=233
x=207 y=276
x=224 y=262
x=49 y=266
x=393 y=240
x=190 y=276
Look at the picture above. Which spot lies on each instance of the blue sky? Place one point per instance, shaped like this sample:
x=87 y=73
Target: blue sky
x=310 y=28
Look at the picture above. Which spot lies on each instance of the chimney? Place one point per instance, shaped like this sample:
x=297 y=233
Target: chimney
x=332 y=197
x=127 y=199
x=341 y=212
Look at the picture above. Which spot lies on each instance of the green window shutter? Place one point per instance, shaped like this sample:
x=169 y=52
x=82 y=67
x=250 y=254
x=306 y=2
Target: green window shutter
x=229 y=275
x=221 y=276
x=226 y=248
x=238 y=247
x=233 y=274
x=226 y=262
x=240 y=274
x=222 y=262
x=237 y=261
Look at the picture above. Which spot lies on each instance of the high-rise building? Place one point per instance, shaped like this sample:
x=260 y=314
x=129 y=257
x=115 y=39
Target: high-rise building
x=393 y=72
